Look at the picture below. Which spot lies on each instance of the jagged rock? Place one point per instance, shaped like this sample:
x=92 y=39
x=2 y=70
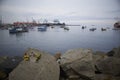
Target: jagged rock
x=110 y=65
x=114 y=52
x=78 y=62
x=46 y=68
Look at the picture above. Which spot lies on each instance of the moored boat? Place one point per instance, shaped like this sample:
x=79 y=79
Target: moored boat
x=42 y=28
x=92 y=29
x=66 y=28
x=18 y=29
x=103 y=29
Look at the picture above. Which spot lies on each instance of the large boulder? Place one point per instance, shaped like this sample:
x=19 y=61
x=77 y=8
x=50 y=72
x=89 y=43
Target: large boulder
x=78 y=63
x=46 y=68
x=75 y=54
x=110 y=65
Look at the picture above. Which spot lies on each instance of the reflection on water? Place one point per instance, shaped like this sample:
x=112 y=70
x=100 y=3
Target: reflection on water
x=17 y=34
x=57 y=39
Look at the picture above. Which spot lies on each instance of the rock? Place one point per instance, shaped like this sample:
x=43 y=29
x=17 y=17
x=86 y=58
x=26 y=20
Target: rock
x=115 y=52
x=3 y=75
x=106 y=77
x=10 y=63
x=78 y=62
x=98 y=56
x=57 y=56
x=7 y=64
x=75 y=54
x=110 y=65
x=111 y=53
x=46 y=68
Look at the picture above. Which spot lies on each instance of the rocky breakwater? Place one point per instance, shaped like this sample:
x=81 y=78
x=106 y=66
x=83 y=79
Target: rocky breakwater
x=75 y=64
x=44 y=68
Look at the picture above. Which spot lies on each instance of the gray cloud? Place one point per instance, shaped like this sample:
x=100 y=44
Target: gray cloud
x=62 y=9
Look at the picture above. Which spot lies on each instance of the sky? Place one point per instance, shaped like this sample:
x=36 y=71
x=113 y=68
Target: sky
x=64 y=10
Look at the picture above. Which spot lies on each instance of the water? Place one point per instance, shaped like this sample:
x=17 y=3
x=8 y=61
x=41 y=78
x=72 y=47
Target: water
x=58 y=39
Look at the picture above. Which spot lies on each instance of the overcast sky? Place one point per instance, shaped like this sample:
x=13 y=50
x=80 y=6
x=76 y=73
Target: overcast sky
x=25 y=10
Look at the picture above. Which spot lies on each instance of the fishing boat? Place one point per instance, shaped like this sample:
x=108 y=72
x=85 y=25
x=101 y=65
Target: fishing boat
x=103 y=29
x=42 y=28
x=92 y=29
x=66 y=28
x=18 y=29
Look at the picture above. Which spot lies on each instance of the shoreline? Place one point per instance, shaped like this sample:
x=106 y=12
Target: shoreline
x=8 y=64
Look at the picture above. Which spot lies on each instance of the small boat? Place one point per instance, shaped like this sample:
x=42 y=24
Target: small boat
x=83 y=27
x=42 y=28
x=92 y=29
x=66 y=28
x=52 y=26
x=103 y=29
x=18 y=29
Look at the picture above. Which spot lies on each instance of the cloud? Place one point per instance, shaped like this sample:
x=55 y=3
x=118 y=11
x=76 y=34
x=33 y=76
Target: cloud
x=61 y=9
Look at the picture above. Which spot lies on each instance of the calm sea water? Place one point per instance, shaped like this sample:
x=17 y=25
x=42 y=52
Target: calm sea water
x=58 y=39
